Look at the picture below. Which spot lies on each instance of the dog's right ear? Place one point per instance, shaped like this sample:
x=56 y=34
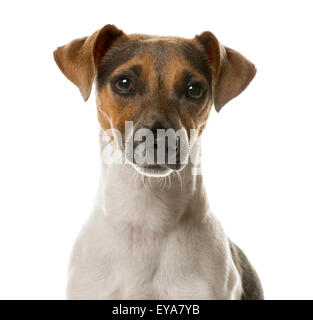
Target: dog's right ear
x=78 y=59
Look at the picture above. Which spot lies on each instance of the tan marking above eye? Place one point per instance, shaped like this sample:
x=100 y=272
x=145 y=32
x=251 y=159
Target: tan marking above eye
x=118 y=109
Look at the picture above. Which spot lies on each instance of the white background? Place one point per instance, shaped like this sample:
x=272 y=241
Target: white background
x=257 y=151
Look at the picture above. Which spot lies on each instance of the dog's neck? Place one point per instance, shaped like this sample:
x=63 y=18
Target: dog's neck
x=152 y=205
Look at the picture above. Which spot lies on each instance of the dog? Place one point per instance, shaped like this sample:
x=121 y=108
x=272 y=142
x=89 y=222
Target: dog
x=151 y=234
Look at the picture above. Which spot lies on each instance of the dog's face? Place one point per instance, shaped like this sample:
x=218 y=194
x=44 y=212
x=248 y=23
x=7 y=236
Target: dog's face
x=156 y=83
x=164 y=86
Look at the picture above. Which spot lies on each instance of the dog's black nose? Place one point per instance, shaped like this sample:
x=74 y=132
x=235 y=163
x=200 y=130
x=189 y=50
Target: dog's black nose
x=160 y=131
x=159 y=125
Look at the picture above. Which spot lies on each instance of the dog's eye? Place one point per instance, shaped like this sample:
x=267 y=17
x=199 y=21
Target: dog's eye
x=124 y=85
x=194 y=91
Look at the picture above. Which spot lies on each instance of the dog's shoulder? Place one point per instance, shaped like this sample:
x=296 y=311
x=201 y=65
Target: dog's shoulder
x=251 y=284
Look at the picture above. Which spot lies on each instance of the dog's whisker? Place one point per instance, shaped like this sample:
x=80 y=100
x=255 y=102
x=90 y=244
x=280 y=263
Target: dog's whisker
x=144 y=182
x=170 y=181
x=180 y=180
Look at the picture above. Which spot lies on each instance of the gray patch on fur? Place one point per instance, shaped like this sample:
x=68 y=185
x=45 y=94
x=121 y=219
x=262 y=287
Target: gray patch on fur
x=251 y=284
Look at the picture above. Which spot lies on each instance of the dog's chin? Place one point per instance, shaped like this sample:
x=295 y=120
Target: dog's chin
x=157 y=170
x=153 y=170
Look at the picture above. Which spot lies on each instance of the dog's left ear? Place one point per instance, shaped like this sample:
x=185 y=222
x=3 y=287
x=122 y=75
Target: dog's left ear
x=78 y=59
x=232 y=72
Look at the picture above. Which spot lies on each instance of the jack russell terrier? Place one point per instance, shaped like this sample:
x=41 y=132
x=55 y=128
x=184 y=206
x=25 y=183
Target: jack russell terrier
x=151 y=234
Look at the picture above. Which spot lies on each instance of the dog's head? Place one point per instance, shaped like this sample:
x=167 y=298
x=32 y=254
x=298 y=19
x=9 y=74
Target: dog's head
x=163 y=86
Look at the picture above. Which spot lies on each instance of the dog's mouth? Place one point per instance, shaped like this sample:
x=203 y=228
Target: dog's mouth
x=156 y=169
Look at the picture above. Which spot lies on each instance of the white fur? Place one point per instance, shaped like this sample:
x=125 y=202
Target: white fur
x=151 y=238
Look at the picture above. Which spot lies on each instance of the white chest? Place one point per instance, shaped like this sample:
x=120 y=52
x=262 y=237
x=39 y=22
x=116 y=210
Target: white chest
x=179 y=265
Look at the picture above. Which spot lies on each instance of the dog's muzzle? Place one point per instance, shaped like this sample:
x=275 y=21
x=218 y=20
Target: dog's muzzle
x=158 y=148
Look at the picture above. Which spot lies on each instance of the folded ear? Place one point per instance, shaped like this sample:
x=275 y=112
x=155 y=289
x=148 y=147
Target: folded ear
x=78 y=59
x=232 y=72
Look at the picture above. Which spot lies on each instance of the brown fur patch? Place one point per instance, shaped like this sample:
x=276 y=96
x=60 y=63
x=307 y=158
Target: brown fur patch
x=76 y=59
x=162 y=68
